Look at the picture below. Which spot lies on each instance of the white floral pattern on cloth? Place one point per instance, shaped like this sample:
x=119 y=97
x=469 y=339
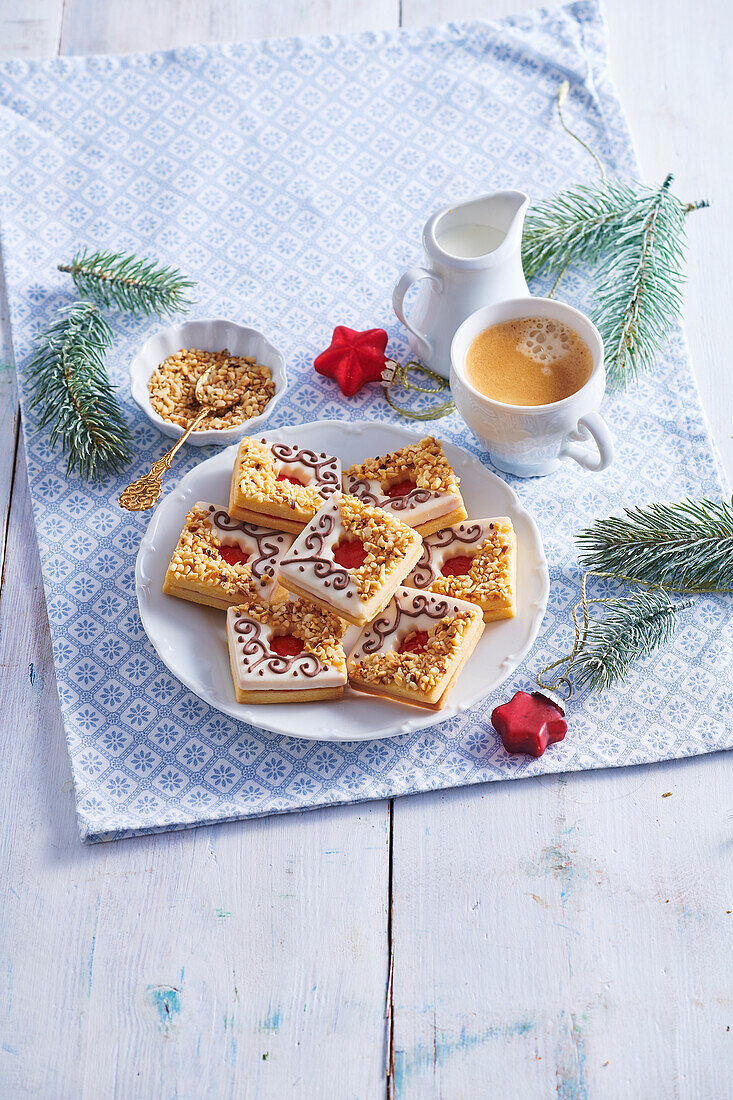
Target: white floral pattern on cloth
x=291 y=179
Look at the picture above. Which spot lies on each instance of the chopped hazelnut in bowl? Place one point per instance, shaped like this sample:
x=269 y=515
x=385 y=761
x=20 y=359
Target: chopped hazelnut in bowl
x=164 y=372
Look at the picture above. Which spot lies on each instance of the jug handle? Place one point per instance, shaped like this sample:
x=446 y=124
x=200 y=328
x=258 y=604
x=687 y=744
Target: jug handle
x=593 y=426
x=414 y=275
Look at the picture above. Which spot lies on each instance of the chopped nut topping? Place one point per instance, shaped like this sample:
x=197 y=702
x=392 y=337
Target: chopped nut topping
x=257 y=474
x=173 y=383
x=320 y=631
x=386 y=541
x=490 y=575
x=424 y=670
x=196 y=558
x=425 y=461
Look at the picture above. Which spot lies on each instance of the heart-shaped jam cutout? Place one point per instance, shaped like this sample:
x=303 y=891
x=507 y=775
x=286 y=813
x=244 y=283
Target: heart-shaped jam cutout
x=414 y=643
x=232 y=555
x=286 y=645
x=457 y=567
x=350 y=553
x=292 y=480
x=400 y=488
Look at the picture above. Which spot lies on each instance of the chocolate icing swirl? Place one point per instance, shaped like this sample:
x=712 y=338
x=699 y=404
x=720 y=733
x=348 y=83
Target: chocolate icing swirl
x=269 y=543
x=386 y=624
x=359 y=487
x=249 y=637
x=324 y=467
x=322 y=566
x=409 y=500
x=424 y=571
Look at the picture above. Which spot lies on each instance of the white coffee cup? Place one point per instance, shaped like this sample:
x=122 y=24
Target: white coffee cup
x=529 y=440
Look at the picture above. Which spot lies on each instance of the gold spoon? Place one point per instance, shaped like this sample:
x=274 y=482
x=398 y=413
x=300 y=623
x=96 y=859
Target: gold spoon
x=144 y=492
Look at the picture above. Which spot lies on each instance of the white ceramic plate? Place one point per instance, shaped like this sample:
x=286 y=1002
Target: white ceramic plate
x=210 y=335
x=191 y=640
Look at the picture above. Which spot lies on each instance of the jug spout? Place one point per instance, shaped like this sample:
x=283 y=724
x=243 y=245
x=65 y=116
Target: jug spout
x=482 y=232
x=508 y=209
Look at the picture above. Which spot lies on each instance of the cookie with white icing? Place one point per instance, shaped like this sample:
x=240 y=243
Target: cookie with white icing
x=281 y=485
x=414 y=650
x=291 y=652
x=350 y=558
x=416 y=485
x=476 y=561
x=219 y=561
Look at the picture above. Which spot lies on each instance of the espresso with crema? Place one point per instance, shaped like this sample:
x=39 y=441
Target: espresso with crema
x=530 y=361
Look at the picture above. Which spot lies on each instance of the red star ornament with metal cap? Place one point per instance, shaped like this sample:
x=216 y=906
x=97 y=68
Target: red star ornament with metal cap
x=529 y=723
x=353 y=358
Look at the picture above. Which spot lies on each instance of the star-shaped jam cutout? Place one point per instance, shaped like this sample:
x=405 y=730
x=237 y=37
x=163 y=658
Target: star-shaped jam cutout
x=529 y=723
x=353 y=358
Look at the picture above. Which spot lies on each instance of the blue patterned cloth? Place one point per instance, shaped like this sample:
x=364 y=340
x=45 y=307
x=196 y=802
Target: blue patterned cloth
x=291 y=180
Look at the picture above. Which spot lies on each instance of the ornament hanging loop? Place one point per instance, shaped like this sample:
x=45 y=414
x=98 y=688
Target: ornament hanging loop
x=397 y=374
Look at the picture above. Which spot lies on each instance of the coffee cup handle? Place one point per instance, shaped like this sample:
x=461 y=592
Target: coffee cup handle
x=414 y=275
x=594 y=426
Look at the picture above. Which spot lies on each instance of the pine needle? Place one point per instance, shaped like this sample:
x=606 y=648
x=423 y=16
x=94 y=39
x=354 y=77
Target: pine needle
x=631 y=627
x=68 y=383
x=127 y=283
x=635 y=237
x=685 y=546
x=574 y=226
x=639 y=296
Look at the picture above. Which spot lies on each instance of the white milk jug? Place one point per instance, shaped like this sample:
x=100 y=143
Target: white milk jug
x=473 y=259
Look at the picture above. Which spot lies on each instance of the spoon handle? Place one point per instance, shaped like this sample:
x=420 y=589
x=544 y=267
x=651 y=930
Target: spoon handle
x=144 y=492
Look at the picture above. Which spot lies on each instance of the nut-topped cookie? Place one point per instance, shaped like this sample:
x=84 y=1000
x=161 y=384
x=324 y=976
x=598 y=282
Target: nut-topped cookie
x=291 y=652
x=415 y=484
x=414 y=650
x=219 y=561
x=475 y=561
x=350 y=558
x=281 y=485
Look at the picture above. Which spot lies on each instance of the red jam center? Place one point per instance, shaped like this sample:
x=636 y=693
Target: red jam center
x=292 y=480
x=350 y=554
x=286 y=645
x=232 y=555
x=457 y=567
x=401 y=488
x=414 y=643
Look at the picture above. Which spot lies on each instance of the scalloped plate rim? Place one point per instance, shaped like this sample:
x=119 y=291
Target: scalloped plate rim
x=402 y=723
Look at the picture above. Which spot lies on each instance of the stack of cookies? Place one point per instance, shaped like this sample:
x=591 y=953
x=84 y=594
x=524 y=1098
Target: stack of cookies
x=303 y=551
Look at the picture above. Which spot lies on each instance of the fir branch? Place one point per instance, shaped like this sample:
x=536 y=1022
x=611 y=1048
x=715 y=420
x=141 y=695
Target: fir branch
x=128 y=283
x=686 y=546
x=639 y=296
x=68 y=383
x=640 y=232
x=633 y=626
x=576 y=225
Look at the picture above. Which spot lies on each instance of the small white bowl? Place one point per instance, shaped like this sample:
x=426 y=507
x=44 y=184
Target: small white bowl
x=207 y=336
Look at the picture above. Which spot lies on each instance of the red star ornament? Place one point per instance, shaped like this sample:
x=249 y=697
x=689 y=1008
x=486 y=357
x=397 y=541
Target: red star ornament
x=353 y=358
x=529 y=723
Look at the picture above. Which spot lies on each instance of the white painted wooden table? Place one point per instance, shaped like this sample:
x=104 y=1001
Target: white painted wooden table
x=567 y=936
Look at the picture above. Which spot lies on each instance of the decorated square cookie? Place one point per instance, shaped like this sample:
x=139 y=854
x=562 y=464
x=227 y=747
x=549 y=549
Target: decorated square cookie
x=475 y=561
x=350 y=558
x=414 y=651
x=281 y=485
x=290 y=652
x=220 y=561
x=416 y=484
